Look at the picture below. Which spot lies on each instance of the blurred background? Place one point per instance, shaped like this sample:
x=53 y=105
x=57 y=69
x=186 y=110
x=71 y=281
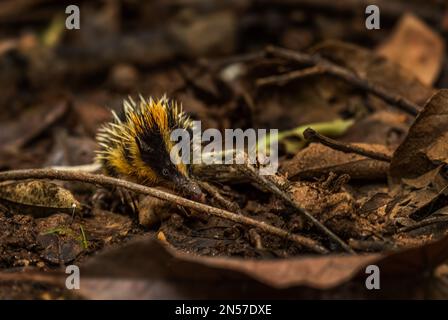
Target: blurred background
x=57 y=86
x=60 y=83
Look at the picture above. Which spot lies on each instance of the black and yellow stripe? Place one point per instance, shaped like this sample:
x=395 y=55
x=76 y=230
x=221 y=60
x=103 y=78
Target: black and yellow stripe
x=137 y=145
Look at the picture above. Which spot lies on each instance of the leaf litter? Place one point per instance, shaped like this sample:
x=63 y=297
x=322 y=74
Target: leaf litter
x=392 y=214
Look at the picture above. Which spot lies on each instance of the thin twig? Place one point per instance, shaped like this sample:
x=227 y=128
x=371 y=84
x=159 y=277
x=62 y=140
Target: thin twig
x=114 y=182
x=53 y=278
x=286 y=77
x=424 y=223
x=345 y=74
x=274 y=188
x=312 y=136
x=214 y=192
x=390 y=9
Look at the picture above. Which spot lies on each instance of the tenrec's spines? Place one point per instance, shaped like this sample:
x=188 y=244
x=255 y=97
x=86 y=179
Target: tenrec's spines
x=138 y=145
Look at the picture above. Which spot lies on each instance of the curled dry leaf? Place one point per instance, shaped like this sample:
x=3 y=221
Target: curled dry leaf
x=318 y=160
x=418 y=166
x=424 y=147
x=416 y=47
x=38 y=198
x=145 y=269
x=417 y=198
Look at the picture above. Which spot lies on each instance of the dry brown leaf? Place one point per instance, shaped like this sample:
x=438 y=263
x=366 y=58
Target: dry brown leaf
x=417 y=170
x=416 y=47
x=381 y=127
x=56 y=250
x=146 y=269
x=425 y=147
x=414 y=204
x=318 y=160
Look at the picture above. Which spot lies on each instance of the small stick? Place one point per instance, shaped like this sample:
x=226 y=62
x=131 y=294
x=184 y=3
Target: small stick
x=369 y=245
x=312 y=136
x=345 y=74
x=114 y=182
x=240 y=58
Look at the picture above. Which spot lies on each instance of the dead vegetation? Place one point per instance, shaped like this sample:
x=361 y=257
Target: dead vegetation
x=363 y=143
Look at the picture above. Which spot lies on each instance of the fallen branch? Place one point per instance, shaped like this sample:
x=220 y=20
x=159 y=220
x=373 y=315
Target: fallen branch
x=114 y=182
x=321 y=65
x=312 y=136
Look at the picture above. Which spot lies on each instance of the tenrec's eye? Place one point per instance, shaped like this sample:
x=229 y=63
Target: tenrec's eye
x=165 y=172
